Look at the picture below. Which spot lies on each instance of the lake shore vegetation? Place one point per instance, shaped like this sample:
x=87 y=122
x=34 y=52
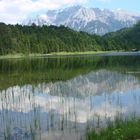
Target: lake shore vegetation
x=119 y=130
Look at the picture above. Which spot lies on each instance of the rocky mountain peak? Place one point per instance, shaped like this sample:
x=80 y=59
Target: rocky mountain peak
x=91 y=20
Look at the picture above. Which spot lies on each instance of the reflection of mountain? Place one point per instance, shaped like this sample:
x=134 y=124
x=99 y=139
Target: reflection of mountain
x=66 y=105
x=94 y=83
x=48 y=95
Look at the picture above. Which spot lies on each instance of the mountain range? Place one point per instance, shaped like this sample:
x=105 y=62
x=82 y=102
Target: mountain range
x=91 y=20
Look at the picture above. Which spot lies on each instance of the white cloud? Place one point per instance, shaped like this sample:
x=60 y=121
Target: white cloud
x=16 y=10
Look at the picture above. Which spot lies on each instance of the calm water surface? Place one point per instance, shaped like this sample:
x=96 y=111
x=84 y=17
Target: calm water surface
x=58 y=98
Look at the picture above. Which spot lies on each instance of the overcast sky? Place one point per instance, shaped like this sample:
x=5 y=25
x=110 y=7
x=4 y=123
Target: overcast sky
x=14 y=11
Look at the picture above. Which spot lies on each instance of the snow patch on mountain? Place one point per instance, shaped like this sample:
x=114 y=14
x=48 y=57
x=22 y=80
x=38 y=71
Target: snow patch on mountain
x=91 y=20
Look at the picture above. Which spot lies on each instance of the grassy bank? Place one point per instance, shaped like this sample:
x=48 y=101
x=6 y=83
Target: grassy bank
x=10 y=56
x=120 y=130
x=80 y=53
x=53 y=54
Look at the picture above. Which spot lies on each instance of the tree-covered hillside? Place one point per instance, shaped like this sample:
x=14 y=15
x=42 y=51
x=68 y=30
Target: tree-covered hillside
x=126 y=39
x=46 y=39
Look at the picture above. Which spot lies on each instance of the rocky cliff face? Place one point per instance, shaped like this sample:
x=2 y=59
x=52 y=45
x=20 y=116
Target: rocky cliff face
x=91 y=20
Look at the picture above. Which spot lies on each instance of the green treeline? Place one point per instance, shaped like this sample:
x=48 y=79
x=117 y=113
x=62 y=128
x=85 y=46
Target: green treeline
x=47 y=39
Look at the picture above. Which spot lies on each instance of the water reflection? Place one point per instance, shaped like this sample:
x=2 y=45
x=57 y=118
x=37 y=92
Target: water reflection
x=34 y=71
x=64 y=108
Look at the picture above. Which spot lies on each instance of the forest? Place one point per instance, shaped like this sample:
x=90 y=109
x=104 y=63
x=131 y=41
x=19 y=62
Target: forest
x=46 y=39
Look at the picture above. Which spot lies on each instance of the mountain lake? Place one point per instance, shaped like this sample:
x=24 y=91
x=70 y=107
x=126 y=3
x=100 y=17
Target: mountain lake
x=58 y=98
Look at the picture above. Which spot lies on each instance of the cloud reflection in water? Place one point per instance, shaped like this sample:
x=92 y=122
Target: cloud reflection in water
x=78 y=100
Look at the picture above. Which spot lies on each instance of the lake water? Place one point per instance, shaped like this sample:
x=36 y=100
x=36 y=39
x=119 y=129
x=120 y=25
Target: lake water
x=58 y=98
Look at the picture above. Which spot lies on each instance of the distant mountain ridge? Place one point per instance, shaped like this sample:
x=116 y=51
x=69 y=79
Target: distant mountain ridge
x=91 y=20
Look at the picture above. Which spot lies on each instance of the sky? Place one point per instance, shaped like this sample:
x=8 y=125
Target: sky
x=15 y=11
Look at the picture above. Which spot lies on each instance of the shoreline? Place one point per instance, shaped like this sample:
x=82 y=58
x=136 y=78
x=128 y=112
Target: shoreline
x=69 y=54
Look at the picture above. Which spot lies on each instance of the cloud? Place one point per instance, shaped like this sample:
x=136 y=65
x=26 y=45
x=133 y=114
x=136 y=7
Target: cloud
x=16 y=10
